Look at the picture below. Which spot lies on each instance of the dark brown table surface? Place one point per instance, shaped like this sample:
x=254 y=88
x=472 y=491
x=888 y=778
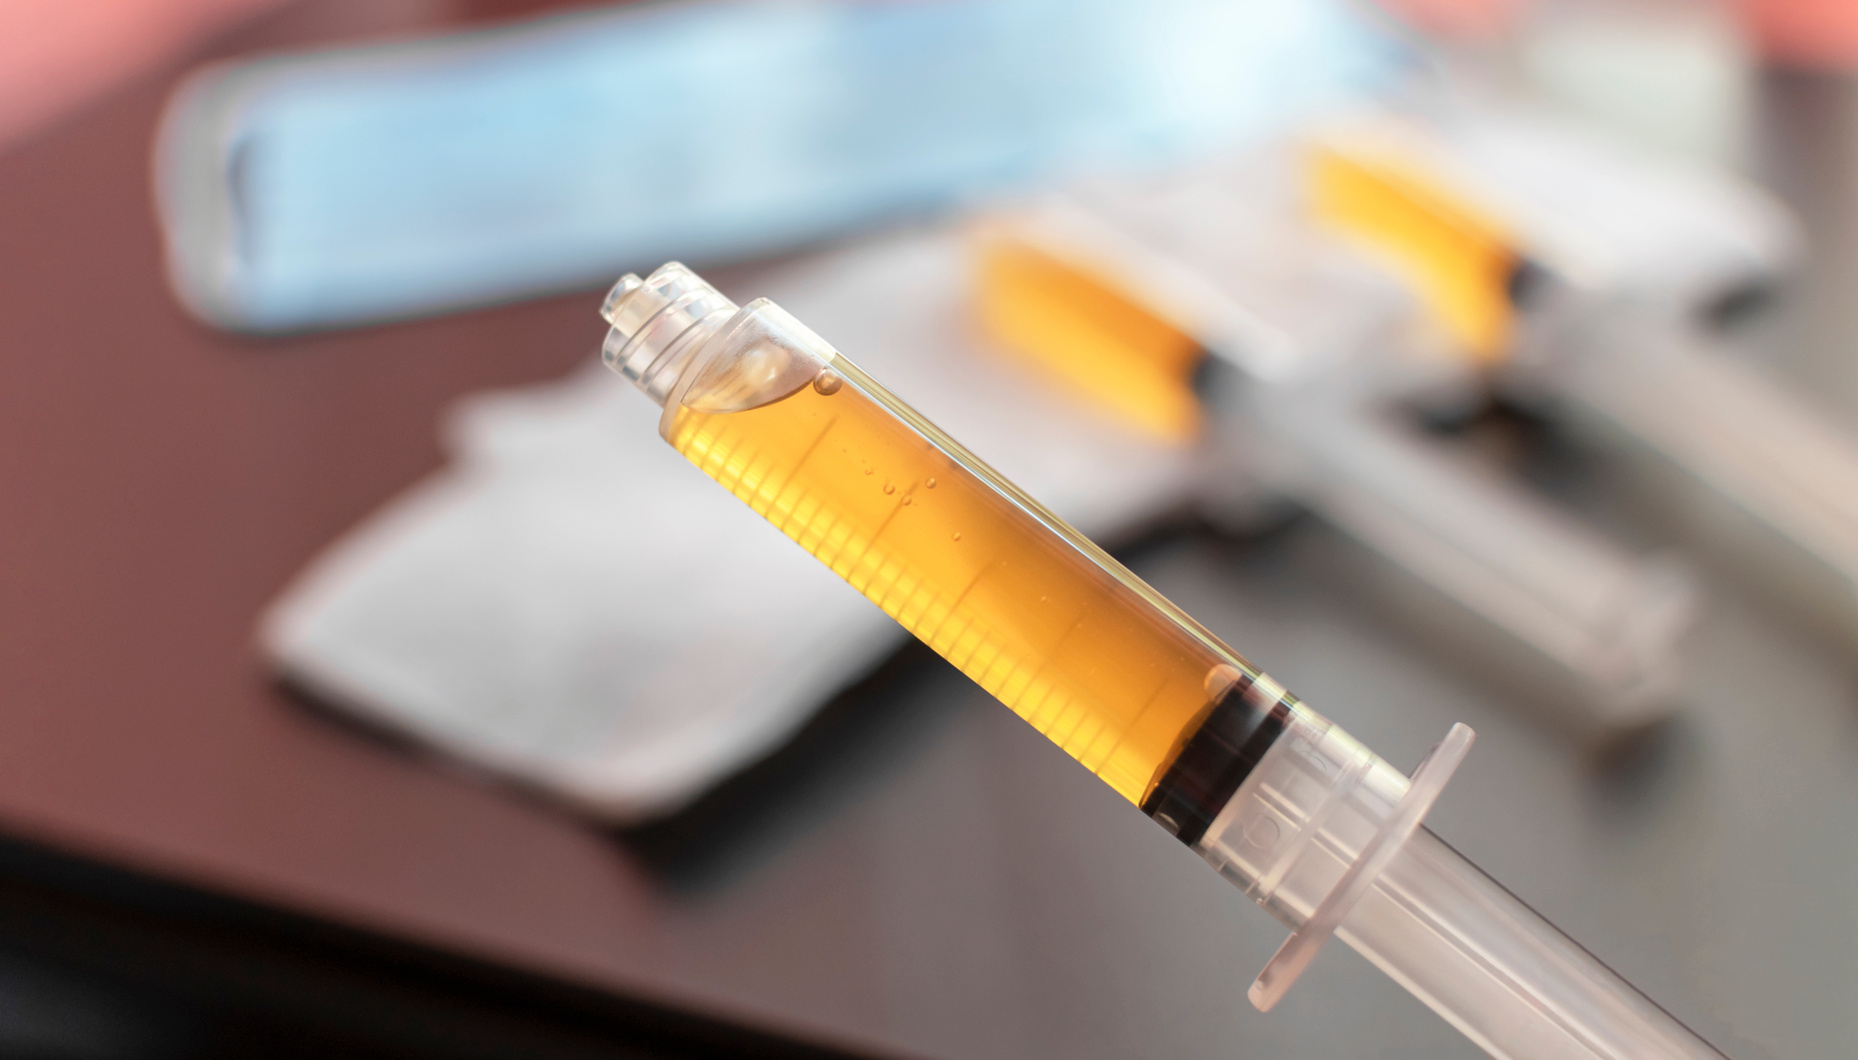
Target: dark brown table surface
x=922 y=875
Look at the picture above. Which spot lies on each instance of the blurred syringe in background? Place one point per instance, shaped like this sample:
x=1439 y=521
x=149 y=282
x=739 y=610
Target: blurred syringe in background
x=1627 y=267
x=1206 y=300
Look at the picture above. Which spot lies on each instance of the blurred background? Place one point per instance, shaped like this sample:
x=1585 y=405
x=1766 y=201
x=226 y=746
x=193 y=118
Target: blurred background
x=373 y=680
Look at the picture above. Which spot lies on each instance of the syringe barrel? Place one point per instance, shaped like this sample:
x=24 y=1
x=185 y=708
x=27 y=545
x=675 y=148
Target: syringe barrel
x=1461 y=943
x=1112 y=672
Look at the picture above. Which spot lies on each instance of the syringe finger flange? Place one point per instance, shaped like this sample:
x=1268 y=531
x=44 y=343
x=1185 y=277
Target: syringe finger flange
x=1428 y=782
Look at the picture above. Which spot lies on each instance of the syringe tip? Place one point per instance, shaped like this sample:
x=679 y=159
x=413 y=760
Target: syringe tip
x=627 y=284
x=656 y=321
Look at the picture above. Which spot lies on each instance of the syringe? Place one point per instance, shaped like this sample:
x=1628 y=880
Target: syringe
x=1308 y=822
x=1205 y=294
x=1625 y=259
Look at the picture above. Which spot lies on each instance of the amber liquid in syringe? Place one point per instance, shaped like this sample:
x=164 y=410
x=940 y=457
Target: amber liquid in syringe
x=1046 y=622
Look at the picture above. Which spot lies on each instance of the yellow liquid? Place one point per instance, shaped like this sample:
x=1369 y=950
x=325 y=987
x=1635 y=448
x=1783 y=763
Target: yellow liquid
x=1021 y=603
x=1091 y=336
x=1459 y=261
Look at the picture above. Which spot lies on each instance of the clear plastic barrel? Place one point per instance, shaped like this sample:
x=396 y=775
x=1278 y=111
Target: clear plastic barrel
x=1455 y=938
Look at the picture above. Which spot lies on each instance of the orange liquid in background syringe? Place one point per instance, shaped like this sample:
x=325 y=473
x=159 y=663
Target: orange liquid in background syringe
x=1046 y=622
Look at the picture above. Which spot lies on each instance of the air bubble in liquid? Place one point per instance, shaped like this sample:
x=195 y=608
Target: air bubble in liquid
x=827 y=382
